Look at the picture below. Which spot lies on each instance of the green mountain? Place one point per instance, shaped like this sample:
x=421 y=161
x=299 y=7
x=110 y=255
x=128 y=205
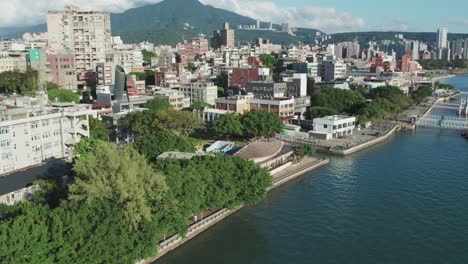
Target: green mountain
x=171 y=21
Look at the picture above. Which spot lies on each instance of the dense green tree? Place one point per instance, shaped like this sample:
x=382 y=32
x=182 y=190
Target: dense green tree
x=139 y=123
x=199 y=106
x=98 y=129
x=228 y=125
x=25 y=83
x=98 y=232
x=25 y=236
x=63 y=96
x=443 y=64
x=371 y=111
x=120 y=175
x=191 y=66
x=49 y=193
x=221 y=92
x=94 y=232
x=268 y=61
x=147 y=76
x=342 y=101
x=86 y=146
x=421 y=94
x=147 y=55
x=181 y=123
x=261 y=124
x=223 y=181
x=153 y=145
x=304 y=150
x=393 y=94
x=318 y=112
x=158 y=104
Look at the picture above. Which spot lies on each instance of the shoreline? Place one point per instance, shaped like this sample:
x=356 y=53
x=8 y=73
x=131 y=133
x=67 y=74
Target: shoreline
x=284 y=175
x=368 y=144
x=279 y=178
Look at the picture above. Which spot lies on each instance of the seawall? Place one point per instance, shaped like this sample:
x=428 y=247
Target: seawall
x=367 y=144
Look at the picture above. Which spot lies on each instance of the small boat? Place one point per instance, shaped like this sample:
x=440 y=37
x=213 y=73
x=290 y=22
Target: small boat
x=465 y=134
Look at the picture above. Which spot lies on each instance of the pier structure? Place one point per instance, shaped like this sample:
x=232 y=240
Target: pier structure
x=448 y=122
x=463 y=109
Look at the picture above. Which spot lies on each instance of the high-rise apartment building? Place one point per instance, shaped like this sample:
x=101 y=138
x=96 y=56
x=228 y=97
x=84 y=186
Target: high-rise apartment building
x=465 y=50
x=86 y=33
x=442 y=38
x=225 y=37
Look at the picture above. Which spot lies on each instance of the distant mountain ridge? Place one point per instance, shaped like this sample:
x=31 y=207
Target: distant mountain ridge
x=365 y=37
x=171 y=21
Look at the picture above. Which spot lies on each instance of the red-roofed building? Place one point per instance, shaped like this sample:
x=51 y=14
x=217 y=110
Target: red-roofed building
x=241 y=76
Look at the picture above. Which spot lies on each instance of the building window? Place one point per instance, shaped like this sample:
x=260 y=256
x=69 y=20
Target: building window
x=5 y=143
x=4 y=130
x=6 y=156
x=34 y=125
x=36 y=149
x=325 y=126
x=46 y=134
x=47 y=146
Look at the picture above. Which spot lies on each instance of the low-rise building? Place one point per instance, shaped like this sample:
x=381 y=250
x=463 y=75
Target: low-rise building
x=29 y=137
x=240 y=104
x=333 y=127
x=200 y=92
x=12 y=62
x=176 y=98
x=210 y=115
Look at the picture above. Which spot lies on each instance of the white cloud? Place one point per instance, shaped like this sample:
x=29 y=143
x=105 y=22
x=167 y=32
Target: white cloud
x=397 y=24
x=326 y=19
x=28 y=12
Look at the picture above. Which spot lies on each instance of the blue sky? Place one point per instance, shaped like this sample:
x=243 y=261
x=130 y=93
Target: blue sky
x=327 y=15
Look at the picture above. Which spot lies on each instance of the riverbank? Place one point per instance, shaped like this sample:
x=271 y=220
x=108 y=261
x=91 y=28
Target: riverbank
x=438 y=78
x=280 y=176
x=368 y=144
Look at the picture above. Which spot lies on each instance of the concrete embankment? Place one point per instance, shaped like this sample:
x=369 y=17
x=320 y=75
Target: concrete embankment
x=366 y=144
x=280 y=176
x=294 y=171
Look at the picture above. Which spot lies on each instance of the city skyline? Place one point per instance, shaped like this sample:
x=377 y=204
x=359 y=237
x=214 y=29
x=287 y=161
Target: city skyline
x=330 y=16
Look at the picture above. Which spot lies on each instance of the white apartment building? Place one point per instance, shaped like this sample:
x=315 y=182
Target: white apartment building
x=29 y=137
x=86 y=33
x=200 y=92
x=176 y=98
x=333 y=127
x=128 y=56
x=11 y=62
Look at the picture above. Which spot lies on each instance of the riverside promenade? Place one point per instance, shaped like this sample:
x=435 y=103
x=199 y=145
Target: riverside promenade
x=280 y=176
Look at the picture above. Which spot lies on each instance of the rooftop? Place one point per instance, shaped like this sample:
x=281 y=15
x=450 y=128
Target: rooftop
x=17 y=181
x=261 y=150
x=176 y=155
x=334 y=118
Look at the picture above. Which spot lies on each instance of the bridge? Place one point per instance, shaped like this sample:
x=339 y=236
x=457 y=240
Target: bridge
x=448 y=122
x=461 y=109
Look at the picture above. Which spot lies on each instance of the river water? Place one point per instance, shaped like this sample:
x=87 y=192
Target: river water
x=404 y=201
